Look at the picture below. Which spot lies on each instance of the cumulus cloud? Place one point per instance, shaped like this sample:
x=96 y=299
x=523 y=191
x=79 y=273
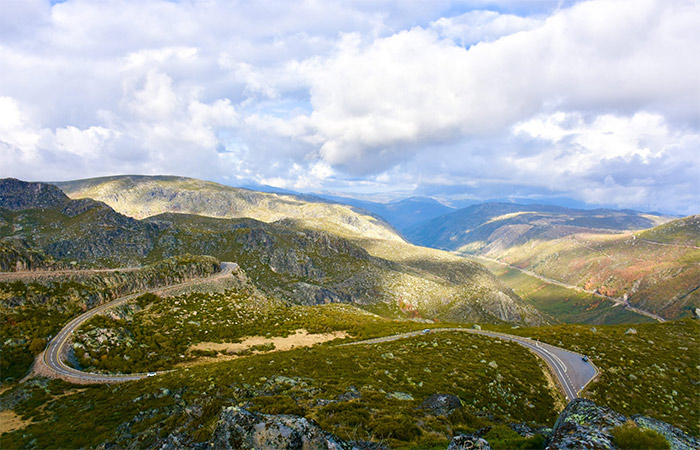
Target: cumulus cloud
x=360 y=96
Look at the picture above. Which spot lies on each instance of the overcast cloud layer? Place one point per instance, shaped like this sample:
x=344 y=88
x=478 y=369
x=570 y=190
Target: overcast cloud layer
x=598 y=101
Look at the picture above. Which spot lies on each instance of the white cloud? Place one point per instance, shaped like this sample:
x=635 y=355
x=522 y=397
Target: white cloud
x=358 y=95
x=373 y=102
x=482 y=26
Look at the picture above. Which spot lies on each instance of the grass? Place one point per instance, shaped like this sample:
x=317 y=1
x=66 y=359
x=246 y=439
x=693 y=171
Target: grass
x=629 y=437
x=648 y=369
x=387 y=382
x=38 y=309
x=158 y=336
x=565 y=305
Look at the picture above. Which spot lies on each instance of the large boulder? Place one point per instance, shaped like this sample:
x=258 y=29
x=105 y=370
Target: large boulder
x=585 y=425
x=468 y=442
x=242 y=429
x=441 y=404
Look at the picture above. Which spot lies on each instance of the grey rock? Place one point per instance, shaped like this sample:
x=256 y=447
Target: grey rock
x=468 y=442
x=585 y=425
x=242 y=429
x=631 y=331
x=441 y=404
x=675 y=437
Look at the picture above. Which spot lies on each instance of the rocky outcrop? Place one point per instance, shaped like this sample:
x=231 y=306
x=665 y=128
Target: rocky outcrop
x=468 y=442
x=583 y=424
x=239 y=429
x=17 y=195
x=92 y=289
x=441 y=404
x=16 y=255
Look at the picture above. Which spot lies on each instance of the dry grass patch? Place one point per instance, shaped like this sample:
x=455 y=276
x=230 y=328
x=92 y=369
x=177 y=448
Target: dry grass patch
x=10 y=421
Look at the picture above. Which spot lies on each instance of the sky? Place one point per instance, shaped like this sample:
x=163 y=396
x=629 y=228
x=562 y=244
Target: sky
x=593 y=101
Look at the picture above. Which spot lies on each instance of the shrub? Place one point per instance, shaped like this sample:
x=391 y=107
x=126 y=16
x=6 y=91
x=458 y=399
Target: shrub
x=630 y=437
x=37 y=345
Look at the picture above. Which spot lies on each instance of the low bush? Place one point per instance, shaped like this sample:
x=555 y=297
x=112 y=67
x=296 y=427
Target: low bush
x=631 y=437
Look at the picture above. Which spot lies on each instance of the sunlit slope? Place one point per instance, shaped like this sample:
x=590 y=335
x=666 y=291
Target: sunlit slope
x=303 y=265
x=145 y=196
x=624 y=254
x=285 y=260
x=491 y=227
x=565 y=304
x=656 y=276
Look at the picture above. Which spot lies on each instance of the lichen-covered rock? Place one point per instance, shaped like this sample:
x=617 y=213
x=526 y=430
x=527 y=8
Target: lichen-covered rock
x=441 y=404
x=242 y=429
x=675 y=437
x=585 y=425
x=465 y=441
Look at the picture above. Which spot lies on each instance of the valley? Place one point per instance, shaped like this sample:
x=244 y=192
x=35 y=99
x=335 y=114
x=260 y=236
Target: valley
x=648 y=262
x=179 y=306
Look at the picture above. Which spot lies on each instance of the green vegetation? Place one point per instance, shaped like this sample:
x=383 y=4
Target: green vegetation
x=159 y=336
x=566 y=305
x=33 y=311
x=501 y=437
x=685 y=231
x=648 y=369
x=630 y=437
x=357 y=392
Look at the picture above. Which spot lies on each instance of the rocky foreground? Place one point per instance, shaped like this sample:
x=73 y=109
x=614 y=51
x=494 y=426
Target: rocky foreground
x=582 y=425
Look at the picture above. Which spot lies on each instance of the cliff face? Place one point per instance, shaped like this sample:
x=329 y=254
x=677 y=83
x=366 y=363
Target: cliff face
x=17 y=195
x=40 y=217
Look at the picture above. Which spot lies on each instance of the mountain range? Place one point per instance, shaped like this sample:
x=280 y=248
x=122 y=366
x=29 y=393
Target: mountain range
x=316 y=258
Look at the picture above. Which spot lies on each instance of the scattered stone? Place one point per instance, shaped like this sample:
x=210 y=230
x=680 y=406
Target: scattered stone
x=632 y=377
x=631 y=331
x=400 y=396
x=239 y=428
x=350 y=393
x=476 y=327
x=441 y=404
x=594 y=330
x=493 y=365
x=468 y=442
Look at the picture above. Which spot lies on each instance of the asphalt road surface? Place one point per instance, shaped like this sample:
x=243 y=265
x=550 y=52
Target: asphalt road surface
x=55 y=353
x=573 y=373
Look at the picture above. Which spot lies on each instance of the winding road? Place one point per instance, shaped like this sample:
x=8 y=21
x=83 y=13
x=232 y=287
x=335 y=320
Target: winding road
x=53 y=357
x=573 y=373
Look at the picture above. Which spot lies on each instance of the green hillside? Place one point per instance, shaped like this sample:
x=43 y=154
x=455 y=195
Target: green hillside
x=286 y=260
x=655 y=269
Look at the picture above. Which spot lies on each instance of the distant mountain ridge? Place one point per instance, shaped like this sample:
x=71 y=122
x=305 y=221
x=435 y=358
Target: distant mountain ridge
x=403 y=213
x=500 y=225
x=286 y=260
x=142 y=196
